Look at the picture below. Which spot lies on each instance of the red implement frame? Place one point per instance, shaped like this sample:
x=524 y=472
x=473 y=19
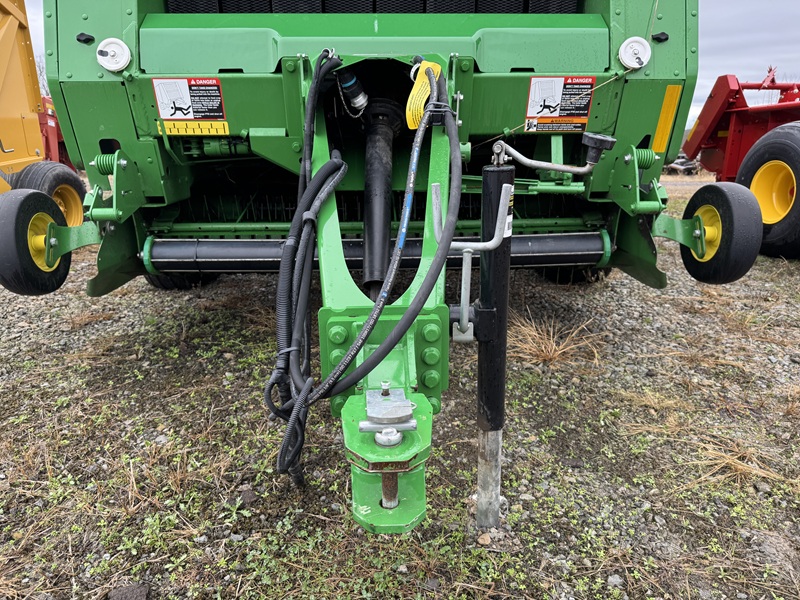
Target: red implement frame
x=728 y=127
x=54 y=147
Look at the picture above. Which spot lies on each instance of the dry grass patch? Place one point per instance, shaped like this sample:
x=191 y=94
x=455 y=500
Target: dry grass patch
x=672 y=425
x=549 y=342
x=727 y=459
x=652 y=400
x=83 y=319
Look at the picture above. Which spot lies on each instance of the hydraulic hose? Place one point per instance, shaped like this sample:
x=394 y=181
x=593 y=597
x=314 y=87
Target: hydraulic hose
x=283 y=296
x=325 y=65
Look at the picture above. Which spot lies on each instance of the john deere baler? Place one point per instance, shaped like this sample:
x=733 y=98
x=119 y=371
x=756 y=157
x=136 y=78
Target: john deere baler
x=297 y=137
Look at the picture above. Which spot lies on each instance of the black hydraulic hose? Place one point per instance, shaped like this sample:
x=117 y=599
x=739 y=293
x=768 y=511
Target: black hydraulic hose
x=283 y=296
x=437 y=264
x=320 y=72
x=290 y=452
x=308 y=225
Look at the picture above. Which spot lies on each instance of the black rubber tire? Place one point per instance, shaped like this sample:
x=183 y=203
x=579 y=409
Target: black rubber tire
x=783 y=144
x=740 y=237
x=48 y=177
x=19 y=272
x=8 y=178
x=180 y=281
x=574 y=275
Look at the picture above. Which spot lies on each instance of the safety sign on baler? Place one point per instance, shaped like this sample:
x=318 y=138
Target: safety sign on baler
x=194 y=98
x=559 y=104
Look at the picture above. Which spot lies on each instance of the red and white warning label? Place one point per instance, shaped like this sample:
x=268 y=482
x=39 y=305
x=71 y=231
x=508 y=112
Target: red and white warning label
x=193 y=98
x=558 y=104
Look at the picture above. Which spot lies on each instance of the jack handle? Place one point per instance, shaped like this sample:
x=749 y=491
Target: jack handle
x=468 y=248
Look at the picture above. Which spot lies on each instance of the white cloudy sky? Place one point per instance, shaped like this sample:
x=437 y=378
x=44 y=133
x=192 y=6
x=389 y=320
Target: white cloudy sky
x=741 y=37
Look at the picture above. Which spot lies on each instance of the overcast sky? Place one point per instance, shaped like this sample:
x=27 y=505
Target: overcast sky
x=739 y=37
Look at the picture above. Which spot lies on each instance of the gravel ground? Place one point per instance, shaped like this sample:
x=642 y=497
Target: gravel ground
x=651 y=450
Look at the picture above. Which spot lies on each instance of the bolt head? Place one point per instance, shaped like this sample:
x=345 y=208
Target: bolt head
x=431 y=332
x=431 y=378
x=336 y=356
x=337 y=334
x=431 y=356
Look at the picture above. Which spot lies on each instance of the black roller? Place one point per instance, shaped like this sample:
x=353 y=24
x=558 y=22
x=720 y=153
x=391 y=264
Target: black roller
x=349 y=6
x=368 y=6
x=553 y=6
x=399 y=6
x=297 y=6
x=451 y=6
x=246 y=6
x=264 y=256
x=500 y=6
x=193 y=6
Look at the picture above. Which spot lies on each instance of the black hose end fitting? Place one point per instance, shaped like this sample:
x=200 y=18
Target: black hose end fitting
x=296 y=472
x=352 y=89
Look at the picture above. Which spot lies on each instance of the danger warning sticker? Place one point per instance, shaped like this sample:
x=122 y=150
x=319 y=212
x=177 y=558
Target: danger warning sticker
x=558 y=104
x=194 y=98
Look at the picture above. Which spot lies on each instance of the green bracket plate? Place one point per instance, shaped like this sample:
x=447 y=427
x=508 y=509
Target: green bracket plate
x=626 y=187
x=689 y=232
x=68 y=239
x=127 y=194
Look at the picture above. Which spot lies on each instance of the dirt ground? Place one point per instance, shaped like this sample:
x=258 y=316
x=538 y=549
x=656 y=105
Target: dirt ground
x=651 y=449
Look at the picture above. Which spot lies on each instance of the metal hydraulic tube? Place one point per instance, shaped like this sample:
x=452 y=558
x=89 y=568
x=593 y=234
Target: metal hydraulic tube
x=492 y=334
x=383 y=124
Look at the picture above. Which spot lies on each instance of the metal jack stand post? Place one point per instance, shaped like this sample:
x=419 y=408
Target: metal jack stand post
x=491 y=316
x=487 y=321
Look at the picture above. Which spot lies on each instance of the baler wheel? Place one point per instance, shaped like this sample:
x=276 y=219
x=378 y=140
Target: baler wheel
x=771 y=170
x=59 y=182
x=732 y=221
x=8 y=178
x=180 y=281
x=24 y=218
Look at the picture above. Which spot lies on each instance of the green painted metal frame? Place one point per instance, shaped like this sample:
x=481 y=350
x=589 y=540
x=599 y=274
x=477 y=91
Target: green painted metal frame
x=418 y=364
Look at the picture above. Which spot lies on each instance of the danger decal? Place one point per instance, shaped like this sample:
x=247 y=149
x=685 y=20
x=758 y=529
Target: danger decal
x=557 y=104
x=194 y=98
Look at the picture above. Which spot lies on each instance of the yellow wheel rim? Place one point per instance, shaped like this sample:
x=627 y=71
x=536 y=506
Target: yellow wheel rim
x=775 y=188
x=37 y=240
x=712 y=223
x=71 y=204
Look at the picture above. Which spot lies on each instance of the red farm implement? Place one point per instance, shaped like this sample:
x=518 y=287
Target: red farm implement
x=756 y=146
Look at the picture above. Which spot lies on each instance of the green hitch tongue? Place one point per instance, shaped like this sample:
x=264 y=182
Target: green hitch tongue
x=387 y=437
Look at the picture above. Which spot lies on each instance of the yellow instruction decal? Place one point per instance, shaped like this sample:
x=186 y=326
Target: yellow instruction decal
x=420 y=94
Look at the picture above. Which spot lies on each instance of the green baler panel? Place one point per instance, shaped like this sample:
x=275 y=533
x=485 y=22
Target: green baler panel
x=256 y=43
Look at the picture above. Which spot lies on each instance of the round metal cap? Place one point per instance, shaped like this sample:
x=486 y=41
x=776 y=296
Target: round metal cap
x=388 y=437
x=635 y=52
x=113 y=55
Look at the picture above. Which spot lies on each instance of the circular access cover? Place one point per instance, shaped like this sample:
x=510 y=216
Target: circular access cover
x=635 y=53
x=113 y=55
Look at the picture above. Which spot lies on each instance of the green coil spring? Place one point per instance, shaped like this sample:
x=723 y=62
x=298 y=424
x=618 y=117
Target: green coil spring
x=645 y=158
x=105 y=163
